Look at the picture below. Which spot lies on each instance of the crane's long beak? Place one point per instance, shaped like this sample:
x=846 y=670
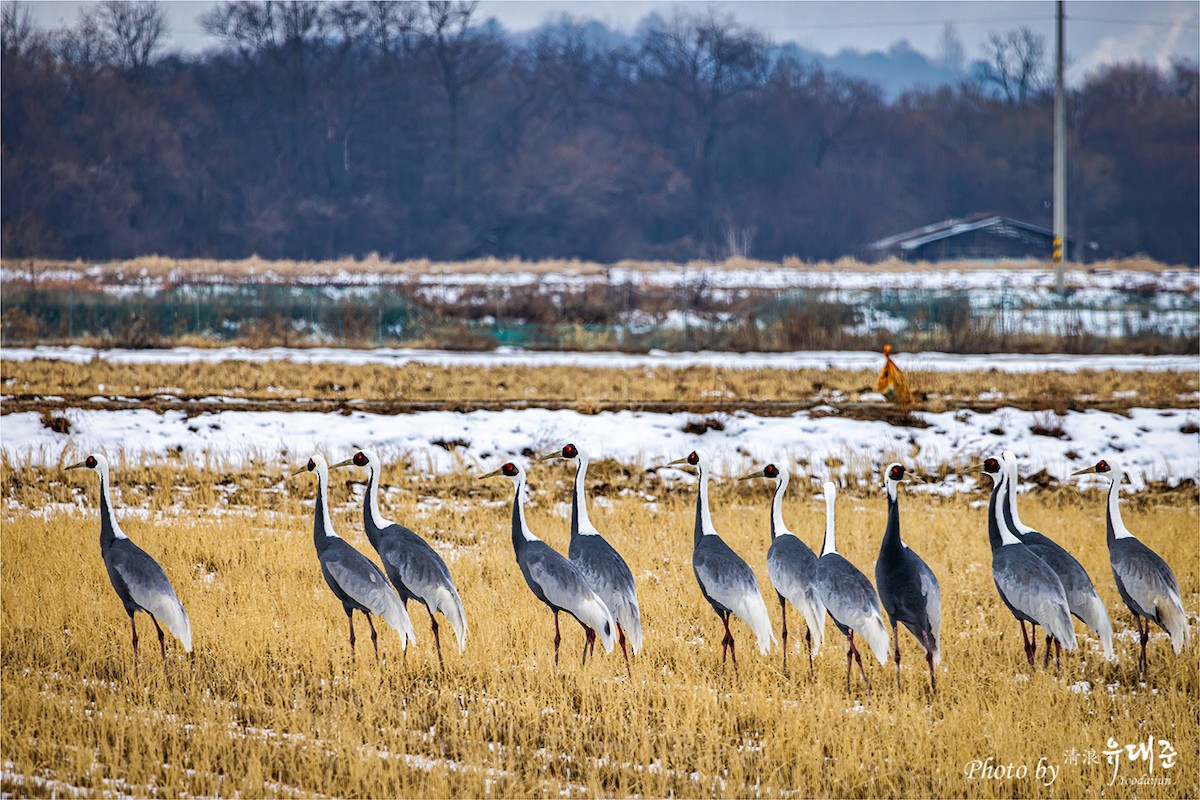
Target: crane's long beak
x=677 y=461
x=912 y=477
x=348 y=462
x=77 y=466
x=758 y=473
x=550 y=456
x=976 y=468
x=491 y=474
x=1088 y=471
x=302 y=469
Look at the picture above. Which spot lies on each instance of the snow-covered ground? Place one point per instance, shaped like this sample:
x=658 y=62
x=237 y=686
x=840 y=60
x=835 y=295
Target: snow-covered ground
x=1150 y=443
x=817 y=359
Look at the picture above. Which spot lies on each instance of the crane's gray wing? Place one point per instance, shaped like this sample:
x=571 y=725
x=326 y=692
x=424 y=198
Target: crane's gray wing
x=1031 y=587
x=610 y=578
x=1149 y=581
x=792 y=568
x=726 y=578
x=366 y=584
x=416 y=565
x=566 y=588
x=933 y=605
x=148 y=587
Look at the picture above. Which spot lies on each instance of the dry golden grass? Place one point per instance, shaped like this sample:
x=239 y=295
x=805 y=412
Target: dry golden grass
x=584 y=388
x=272 y=703
x=162 y=267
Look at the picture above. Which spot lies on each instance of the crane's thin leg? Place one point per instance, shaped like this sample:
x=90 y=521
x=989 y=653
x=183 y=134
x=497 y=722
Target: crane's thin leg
x=929 y=658
x=1144 y=637
x=1028 y=650
x=849 y=659
x=162 y=643
x=374 y=636
x=728 y=641
x=1032 y=643
x=436 y=639
x=350 y=616
x=783 y=611
x=858 y=658
x=1046 y=658
x=896 y=639
x=557 y=638
x=808 y=641
x=589 y=639
x=624 y=651
x=1057 y=654
x=135 y=626
x=592 y=648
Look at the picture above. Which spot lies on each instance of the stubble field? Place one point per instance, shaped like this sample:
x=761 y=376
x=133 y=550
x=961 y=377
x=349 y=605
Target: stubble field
x=272 y=702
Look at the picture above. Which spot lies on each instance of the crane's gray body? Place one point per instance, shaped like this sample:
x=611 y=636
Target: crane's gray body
x=908 y=589
x=792 y=568
x=846 y=592
x=602 y=566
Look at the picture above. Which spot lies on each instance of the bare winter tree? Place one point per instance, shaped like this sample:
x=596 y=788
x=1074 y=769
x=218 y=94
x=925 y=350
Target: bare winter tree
x=132 y=31
x=16 y=26
x=1015 y=64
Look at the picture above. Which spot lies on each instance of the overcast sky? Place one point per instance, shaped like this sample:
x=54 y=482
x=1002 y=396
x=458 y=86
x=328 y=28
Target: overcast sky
x=1097 y=32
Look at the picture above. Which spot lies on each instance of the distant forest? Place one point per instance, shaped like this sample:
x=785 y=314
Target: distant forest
x=422 y=130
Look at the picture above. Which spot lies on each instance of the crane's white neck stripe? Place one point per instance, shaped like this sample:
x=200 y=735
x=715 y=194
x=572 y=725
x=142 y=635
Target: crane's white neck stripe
x=323 y=489
x=830 y=545
x=1010 y=469
x=1007 y=537
x=107 y=507
x=706 y=524
x=520 y=500
x=1114 y=508
x=777 y=506
x=584 y=522
x=373 y=478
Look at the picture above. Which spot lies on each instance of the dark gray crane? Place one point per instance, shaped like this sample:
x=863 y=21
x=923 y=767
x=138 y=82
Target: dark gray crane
x=599 y=562
x=726 y=581
x=415 y=569
x=1146 y=583
x=908 y=589
x=848 y=595
x=553 y=579
x=1082 y=598
x=353 y=578
x=1027 y=585
x=792 y=568
x=138 y=579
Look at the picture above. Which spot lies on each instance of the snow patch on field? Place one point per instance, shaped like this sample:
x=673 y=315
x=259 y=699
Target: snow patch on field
x=1149 y=443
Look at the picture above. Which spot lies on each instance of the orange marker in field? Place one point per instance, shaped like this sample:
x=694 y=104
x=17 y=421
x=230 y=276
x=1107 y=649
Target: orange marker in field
x=892 y=382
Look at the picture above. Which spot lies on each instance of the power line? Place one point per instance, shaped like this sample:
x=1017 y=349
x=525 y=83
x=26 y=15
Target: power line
x=1155 y=23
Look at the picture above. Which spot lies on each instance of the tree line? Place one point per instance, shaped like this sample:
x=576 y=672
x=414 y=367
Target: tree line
x=318 y=130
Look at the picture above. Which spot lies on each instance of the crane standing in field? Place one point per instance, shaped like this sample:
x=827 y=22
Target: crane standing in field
x=1027 y=585
x=908 y=589
x=415 y=569
x=605 y=570
x=553 y=579
x=792 y=568
x=353 y=578
x=137 y=578
x=848 y=595
x=1146 y=583
x=1081 y=594
x=726 y=581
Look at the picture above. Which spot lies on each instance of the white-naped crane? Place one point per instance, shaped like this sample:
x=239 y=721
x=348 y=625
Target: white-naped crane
x=137 y=578
x=1082 y=598
x=414 y=568
x=792 y=568
x=848 y=595
x=1027 y=585
x=605 y=570
x=1146 y=583
x=908 y=589
x=352 y=577
x=553 y=579
x=726 y=581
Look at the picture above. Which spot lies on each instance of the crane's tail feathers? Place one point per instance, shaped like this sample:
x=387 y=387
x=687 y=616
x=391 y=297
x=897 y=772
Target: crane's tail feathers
x=937 y=649
x=876 y=634
x=1095 y=616
x=398 y=618
x=595 y=614
x=630 y=620
x=451 y=606
x=170 y=613
x=754 y=613
x=813 y=612
x=1173 y=619
x=1062 y=629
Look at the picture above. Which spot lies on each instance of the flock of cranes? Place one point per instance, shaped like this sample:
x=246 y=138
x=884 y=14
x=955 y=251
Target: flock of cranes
x=1038 y=580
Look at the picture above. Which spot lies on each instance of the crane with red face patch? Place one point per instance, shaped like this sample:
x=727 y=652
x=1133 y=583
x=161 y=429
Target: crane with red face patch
x=1146 y=583
x=726 y=581
x=605 y=570
x=414 y=568
x=792 y=568
x=553 y=579
x=352 y=577
x=137 y=578
x=908 y=589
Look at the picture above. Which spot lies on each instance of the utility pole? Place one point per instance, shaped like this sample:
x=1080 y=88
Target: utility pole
x=1060 y=159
